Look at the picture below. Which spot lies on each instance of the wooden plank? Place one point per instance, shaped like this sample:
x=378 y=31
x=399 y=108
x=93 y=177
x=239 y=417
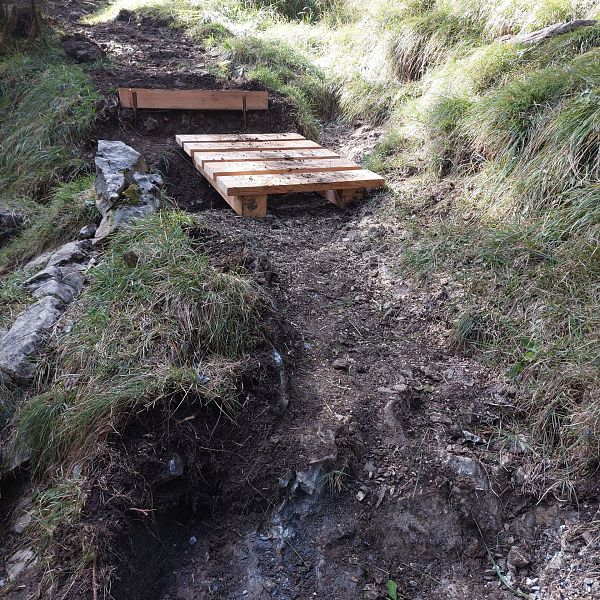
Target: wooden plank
x=201 y=158
x=265 y=167
x=253 y=206
x=191 y=147
x=341 y=198
x=243 y=185
x=237 y=137
x=194 y=99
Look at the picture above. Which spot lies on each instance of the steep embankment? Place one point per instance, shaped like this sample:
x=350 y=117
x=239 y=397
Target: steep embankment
x=274 y=408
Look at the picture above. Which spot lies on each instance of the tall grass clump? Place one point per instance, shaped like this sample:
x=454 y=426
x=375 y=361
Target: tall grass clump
x=282 y=69
x=522 y=244
x=159 y=326
x=307 y=10
x=46 y=106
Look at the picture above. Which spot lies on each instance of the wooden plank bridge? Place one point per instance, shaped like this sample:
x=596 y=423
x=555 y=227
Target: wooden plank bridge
x=246 y=168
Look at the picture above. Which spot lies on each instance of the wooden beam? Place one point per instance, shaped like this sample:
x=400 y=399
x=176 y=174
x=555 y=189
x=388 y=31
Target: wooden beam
x=342 y=198
x=201 y=158
x=193 y=99
x=266 y=167
x=243 y=185
x=237 y=137
x=192 y=147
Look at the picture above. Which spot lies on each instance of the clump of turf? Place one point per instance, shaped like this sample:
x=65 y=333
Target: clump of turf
x=161 y=325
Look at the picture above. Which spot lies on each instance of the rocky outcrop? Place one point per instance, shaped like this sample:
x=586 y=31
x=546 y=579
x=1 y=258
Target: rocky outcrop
x=116 y=164
x=55 y=286
x=125 y=190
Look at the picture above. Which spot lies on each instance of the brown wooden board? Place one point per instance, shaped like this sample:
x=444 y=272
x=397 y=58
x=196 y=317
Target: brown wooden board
x=243 y=185
x=201 y=158
x=246 y=168
x=192 y=147
x=238 y=137
x=265 y=167
x=193 y=99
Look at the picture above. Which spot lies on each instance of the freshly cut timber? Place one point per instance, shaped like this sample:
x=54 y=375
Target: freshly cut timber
x=246 y=168
x=194 y=99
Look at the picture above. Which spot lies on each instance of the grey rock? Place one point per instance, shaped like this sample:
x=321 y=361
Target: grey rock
x=87 y=232
x=517 y=558
x=22 y=522
x=310 y=480
x=149 y=186
x=116 y=163
x=14 y=457
x=73 y=253
x=62 y=283
x=470 y=469
x=25 y=338
x=39 y=262
x=146 y=204
x=174 y=469
x=20 y=562
x=10 y=223
x=121 y=216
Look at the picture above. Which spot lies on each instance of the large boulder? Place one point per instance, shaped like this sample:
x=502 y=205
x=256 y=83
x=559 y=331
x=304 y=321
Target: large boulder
x=116 y=164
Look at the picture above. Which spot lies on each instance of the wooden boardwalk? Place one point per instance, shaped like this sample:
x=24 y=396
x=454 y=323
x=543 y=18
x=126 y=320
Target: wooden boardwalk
x=246 y=168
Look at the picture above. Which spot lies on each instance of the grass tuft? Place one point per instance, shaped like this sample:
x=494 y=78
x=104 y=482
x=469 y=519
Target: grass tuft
x=70 y=207
x=168 y=328
x=46 y=106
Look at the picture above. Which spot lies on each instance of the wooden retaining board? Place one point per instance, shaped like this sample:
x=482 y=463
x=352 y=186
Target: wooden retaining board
x=193 y=99
x=246 y=168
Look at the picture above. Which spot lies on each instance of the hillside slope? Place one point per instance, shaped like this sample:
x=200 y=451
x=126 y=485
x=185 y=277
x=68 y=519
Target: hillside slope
x=398 y=400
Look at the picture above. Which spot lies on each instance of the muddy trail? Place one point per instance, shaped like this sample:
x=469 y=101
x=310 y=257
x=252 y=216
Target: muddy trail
x=361 y=462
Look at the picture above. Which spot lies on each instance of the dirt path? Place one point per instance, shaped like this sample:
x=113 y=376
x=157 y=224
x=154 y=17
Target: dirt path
x=365 y=465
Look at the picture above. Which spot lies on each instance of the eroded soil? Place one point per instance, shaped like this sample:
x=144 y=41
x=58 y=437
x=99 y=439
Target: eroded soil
x=364 y=452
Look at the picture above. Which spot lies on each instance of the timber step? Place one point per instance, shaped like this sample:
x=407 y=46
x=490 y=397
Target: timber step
x=246 y=168
x=193 y=99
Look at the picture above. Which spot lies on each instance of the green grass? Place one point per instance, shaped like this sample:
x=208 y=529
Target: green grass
x=308 y=10
x=46 y=106
x=169 y=328
x=282 y=69
x=14 y=298
x=70 y=207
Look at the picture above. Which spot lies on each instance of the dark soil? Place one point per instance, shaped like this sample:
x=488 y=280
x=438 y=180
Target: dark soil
x=370 y=454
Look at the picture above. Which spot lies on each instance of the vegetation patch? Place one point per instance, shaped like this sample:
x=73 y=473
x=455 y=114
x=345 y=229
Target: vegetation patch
x=71 y=206
x=156 y=324
x=46 y=105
